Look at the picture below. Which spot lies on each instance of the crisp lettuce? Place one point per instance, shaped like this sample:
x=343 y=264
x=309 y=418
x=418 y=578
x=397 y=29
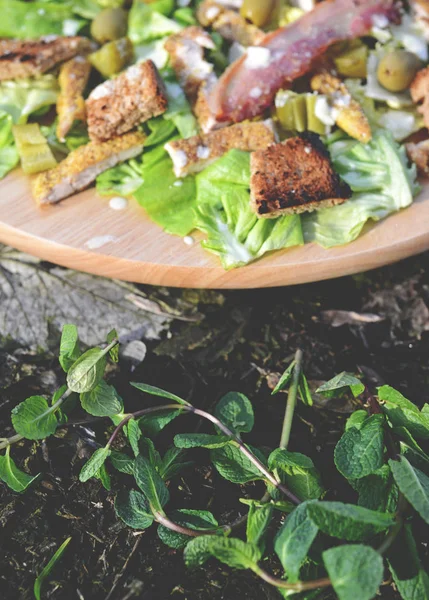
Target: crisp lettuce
x=148 y=22
x=9 y=157
x=35 y=19
x=179 y=110
x=23 y=97
x=125 y=179
x=234 y=232
x=382 y=182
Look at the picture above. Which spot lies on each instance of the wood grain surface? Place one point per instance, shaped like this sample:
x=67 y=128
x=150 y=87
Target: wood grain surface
x=140 y=251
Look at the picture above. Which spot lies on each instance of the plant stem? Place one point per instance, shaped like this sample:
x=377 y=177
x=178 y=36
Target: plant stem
x=11 y=440
x=166 y=522
x=291 y=401
x=299 y=586
x=396 y=528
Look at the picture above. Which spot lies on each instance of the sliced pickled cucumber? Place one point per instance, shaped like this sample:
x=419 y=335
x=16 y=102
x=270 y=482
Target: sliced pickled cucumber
x=352 y=63
x=296 y=112
x=33 y=149
x=313 y=122
x=111 y=58
x=300 y=113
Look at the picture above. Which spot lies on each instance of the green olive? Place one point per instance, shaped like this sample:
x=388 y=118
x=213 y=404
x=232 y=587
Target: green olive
x=258 y=12
x=110 y=24
x=397 y=69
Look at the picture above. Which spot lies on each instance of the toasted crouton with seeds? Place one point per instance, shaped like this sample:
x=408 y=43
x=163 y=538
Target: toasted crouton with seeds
x=73 y=77
x=420 y=93
x=82 y=166
x=293 y=177
x=419 y=154
x=229 y=23
x=186 y=50
x=194 y=154
x=19 y=59
x=350 y=116
x=118 y=105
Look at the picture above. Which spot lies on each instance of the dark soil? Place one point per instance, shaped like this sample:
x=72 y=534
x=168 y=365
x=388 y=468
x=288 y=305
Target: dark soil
x=243 y=341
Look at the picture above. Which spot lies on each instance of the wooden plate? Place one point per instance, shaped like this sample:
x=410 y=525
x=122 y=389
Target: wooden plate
x=135 y=249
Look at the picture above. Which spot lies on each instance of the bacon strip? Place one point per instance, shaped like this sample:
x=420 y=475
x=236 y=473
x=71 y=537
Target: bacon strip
x=248 y=87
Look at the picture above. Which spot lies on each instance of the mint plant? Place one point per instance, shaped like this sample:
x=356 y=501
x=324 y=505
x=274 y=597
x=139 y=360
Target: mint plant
x=319 y=540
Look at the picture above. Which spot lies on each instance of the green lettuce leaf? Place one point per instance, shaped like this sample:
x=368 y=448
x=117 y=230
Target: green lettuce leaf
x=35 y=19
x=23 y=97
x=148 y=22
x=125 y=179
x=382 y=182
x=234 y=232
x=9 y=157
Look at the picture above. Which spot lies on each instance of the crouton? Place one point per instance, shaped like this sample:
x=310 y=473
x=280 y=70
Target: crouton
x=118 y=105
x=420 y=93
x=293 y=177
x=83 y=165
x=419 y=154
x=186 y=50
x=350 y=116
x=19 y=59
x=73 y=77
x=228 y=23
x=195 y=153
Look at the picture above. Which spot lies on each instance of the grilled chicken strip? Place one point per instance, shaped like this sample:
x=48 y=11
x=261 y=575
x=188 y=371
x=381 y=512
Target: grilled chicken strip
x=28 y=58
x=74 y=75
x=83 y=165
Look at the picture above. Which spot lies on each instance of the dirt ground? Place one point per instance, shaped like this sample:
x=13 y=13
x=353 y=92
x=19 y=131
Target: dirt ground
x=200 y=345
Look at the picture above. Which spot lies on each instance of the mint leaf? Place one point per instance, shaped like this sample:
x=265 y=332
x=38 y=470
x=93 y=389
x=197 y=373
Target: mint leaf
x=258 y=520
x=356 y=571
x=404 y=564
x=134 y=434
x=151 y=484
x=298 y=473
x=347 y=521
x=17 y=480
x=231 y=551
x=150 y=452
x=294 y=540
x=34 y=419
x=153 y=424
x=304 y=390
x=171 y=465
x=104 y=477
x=401 y=411
x=339 y=383
x=410 y=441
x=234 y=466
x=155 y=391
x=133 y=509
x=113 y=352
x=236 y=412
x=194 y=519
x=87 y=371
x=69 y=347
x=48 y=568
x=122 y=462
x=284 y=379
x=102 y=401
x=357 y=419
x=359 y=452
x=94 y=464
x=200 y=440
x=414 y=484
x=377 y=491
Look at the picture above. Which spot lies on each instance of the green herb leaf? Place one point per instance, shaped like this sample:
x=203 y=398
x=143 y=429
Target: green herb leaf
x=133 y=509
x=103 y=475
x=200 y=440
x=357 y=419
x=194 y=519
x=304 y=390
x=231 y=551
x=414 y=484
x=102 y=401
x=401 y=411
x=85 y=374
x=134 y=434
x=153 y=424
x=17 y=480
x=171 y=464
x=113 y=352
x=48 y=568
x=298 y=473
x=150 y=452
x=236 y=412
x=347 y=521
x=34 y=419
x=122 y=462
x=294 y=540
x=377 y=491
x=356 y=571
x=155 y=391
x=231 y=464
x=339 y=383
x=94 y=464
x=284 y=379
x=258 y=520
x=151 y=483
x=360 y=451
x=404 y=564
x=69 y=347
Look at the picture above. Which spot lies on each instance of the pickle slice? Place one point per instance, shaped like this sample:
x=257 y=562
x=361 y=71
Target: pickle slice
x=111 y=58
x=352 y=63
x=33 y=149
x=313 y=122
